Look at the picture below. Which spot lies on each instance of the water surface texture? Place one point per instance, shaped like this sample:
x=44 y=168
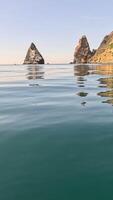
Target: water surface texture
x=56 y=132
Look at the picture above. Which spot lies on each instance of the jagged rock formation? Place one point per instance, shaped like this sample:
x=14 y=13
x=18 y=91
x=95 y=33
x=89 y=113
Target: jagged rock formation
x=82 y=51
x=33 y=56
x=104 y=54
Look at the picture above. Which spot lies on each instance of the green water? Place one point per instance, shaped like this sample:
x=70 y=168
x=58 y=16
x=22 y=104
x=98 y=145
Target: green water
x=56 y=132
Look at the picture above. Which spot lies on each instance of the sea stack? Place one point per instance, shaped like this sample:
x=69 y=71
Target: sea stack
x=104 y=53
x=33 y=56
x=82 y=51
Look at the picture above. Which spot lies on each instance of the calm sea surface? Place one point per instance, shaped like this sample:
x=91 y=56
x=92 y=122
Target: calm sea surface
x=56 y=132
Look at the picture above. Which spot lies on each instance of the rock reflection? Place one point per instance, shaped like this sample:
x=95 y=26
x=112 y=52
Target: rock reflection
x=35 y=72
x=106 y=82
x=80 y=71
x=106 y=94
x=82 y=94
x=109 y=101
x=83 y=103
x=104 y=70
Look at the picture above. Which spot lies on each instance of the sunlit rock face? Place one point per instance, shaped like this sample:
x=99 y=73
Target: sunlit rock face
x=33 y=56
x=104 y=53
x=82 y=51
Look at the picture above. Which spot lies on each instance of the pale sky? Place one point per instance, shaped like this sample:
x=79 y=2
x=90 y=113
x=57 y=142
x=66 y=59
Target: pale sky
x=55 y=26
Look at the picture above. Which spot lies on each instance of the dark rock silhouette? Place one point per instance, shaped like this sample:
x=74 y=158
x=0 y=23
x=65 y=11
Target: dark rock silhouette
x=82 y=51
x=33 y=56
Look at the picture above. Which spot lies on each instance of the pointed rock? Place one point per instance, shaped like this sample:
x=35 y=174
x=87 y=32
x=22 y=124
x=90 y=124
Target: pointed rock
x=33 y=56
x=104 y=53
x=82 y=51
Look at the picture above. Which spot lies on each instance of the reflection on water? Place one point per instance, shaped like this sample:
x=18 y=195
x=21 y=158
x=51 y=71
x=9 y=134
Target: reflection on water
x=82 y=94
x=106 y=70
x=35 y=72
x=91 y=82
x=80 y=72
x=106 y=81
x=58 y=134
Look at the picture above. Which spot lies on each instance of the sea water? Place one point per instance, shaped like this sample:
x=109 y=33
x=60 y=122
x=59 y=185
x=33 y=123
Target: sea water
x=56 y=132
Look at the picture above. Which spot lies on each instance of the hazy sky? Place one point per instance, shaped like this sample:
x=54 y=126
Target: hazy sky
x=53 y=25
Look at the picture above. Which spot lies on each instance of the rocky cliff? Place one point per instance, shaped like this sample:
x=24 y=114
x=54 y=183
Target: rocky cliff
x=33 y=56
x=82 y=52
x=104 y=53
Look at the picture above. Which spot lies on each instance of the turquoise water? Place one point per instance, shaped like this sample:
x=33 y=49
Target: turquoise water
x=56 y=132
